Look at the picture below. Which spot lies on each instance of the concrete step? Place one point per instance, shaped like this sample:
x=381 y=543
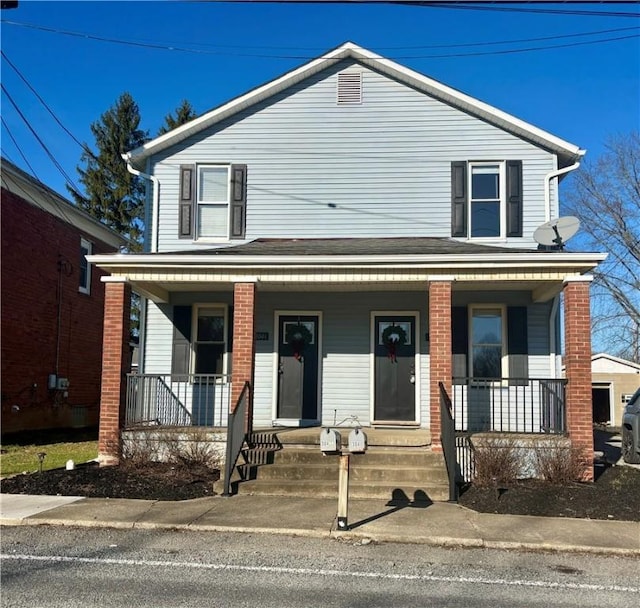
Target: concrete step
x=328 y=471
x=357 y=489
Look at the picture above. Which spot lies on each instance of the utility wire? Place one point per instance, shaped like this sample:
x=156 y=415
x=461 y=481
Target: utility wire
x=39 y=139
x=184 y=49
x=15 y=143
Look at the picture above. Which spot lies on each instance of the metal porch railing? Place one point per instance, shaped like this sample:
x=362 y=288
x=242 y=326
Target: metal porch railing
x=509 y=405
x=185 y=400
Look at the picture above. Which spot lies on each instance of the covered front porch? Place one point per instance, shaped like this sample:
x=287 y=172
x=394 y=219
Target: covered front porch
x=378 y=335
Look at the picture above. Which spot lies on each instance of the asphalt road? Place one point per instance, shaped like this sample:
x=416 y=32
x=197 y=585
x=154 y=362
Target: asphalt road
x=65 y=567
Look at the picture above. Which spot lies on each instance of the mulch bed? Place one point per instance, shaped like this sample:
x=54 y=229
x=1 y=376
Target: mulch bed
x=152 y=481
x=615 y=495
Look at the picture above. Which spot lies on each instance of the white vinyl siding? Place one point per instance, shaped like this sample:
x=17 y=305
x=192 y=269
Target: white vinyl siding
x=380 y=168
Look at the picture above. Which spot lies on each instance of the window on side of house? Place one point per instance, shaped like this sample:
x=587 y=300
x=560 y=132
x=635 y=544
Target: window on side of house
x=486 y=200
x=84 y=282
x=209 y=346
x=212 y=218
x=487 y=342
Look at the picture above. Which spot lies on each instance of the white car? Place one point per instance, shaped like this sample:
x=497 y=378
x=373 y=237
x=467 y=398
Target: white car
x=631 y=430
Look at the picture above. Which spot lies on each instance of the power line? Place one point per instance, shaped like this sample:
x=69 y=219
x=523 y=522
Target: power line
x=15 y=143
x=39 y=140
x=184 y=49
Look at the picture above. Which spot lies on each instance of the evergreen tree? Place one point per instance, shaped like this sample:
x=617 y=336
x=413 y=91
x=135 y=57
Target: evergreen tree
x=184 y=113
x=113 y=195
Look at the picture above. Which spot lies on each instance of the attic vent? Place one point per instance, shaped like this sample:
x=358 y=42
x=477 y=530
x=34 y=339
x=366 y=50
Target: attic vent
x=349 y=87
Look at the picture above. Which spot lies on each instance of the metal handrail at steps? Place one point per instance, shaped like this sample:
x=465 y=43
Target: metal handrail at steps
x=448 y=439
x=236 y=435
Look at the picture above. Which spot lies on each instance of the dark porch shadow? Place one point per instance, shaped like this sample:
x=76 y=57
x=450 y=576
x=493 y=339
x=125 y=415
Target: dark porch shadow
x=399 y=500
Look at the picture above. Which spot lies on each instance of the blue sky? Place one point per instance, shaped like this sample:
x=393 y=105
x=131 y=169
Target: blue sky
x=582 y=93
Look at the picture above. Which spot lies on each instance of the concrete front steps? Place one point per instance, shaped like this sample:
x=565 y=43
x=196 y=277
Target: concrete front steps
x=398 y=465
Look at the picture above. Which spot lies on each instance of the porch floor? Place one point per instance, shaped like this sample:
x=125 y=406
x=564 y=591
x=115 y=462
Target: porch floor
x=376 y=437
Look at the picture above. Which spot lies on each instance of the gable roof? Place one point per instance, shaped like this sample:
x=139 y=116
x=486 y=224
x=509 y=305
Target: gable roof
x=567 y=153
x=34 y=192
x=618 y=360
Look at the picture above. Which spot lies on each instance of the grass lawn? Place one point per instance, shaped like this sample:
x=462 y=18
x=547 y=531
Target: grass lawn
x=20 y=453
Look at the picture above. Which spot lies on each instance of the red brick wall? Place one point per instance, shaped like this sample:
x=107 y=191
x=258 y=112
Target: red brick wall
x=577 y=328
x=244 y=301
x=115 y=364
x=440 y=351
x=33 y=243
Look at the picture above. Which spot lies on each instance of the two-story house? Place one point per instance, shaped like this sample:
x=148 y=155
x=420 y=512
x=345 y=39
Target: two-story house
x=346 y=239
x=52 y=307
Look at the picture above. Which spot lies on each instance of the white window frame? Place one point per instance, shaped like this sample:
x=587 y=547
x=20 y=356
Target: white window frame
x=502 y=194
x=504 y=361
x=86 y=287
x=224 y=309
x=227 y=203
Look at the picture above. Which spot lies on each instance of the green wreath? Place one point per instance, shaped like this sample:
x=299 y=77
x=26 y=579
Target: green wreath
x=298 y=334
x=394 y=336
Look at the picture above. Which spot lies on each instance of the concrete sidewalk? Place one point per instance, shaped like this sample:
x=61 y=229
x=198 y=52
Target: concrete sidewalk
x=438 y=524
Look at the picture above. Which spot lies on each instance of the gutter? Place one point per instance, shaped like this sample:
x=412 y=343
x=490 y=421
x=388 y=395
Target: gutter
x=547 y=186
x=156 y=199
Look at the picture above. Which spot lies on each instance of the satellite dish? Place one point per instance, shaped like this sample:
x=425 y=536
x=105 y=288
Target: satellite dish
x=557 y=232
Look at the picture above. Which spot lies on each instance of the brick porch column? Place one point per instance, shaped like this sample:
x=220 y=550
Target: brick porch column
x=577 y=358
x=244 y=345
x=440 y=351
x=115 y=366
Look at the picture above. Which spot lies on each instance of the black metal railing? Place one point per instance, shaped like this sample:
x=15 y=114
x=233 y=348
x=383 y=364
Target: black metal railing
x=185 y=400
x=236 y=435
x=448 y=439
x=509 y=405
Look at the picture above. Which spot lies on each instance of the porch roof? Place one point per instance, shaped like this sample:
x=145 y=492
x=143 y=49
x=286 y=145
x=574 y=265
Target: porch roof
x=343 y=264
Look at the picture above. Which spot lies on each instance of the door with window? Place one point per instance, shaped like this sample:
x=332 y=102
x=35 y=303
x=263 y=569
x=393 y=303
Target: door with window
x=298 y=367
x=395 y=372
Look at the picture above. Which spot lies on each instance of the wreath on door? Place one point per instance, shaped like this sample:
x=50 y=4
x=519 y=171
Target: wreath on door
x=393 y=337
x=298 y=336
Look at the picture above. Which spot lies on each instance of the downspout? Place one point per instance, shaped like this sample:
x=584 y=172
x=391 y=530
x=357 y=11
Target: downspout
x=547 y=187
x=553 y=333
x=156 y=200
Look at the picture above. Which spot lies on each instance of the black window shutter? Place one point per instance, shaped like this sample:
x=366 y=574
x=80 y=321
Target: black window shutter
x=517 y=345
x=187 y=201
x=514 y=198
x=238 y=201
x=181 y=353
x=230 y=340
x=459 y=342
x=459 y=198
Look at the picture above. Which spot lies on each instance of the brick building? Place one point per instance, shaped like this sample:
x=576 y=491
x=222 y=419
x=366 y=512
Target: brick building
x=52 y=307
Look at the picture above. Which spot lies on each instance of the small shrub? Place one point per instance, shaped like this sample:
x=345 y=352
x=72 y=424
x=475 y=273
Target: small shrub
x=560 y=464
x=139 y=448
x=498 y=461
x=191 y=449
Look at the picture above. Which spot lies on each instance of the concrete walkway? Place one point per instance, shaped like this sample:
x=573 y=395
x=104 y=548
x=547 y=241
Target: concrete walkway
x=438 y=524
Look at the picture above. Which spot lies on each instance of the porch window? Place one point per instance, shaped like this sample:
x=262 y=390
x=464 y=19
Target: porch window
x=487 y=344
x=213 y=201
x=210 y=344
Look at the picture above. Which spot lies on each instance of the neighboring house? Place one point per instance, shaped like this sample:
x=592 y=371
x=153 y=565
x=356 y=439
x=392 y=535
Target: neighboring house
x=345 y=238
x=614 y=382
x=52 y=307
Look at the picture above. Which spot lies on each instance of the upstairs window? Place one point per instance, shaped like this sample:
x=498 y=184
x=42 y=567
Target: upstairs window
x=212 y=202
x=84 y=284
x=485 y=201
x=212 y=217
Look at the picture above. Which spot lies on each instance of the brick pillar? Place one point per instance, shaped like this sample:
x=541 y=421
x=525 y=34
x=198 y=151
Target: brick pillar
x=577 y=358
x=440 y=350
x=244 y=345
x=115 y=366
